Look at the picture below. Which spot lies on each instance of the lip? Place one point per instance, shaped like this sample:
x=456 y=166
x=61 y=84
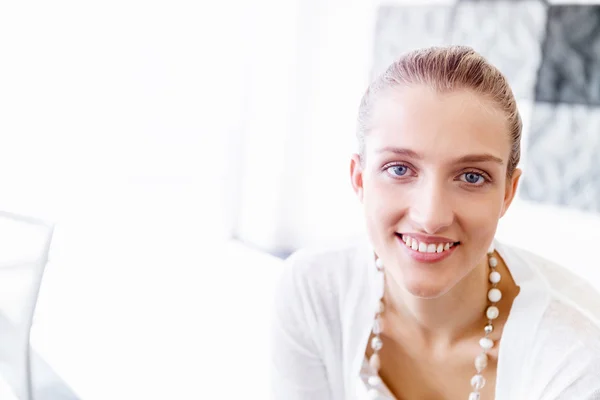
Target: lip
x=427 y=257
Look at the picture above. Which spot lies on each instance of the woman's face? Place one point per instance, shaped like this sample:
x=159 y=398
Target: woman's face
x=434 y=171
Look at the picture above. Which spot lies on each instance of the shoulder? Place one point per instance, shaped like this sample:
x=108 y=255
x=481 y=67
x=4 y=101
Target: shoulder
x=571 y=340
x=564 y=360
x=561 y=284
x=572 y=314
x=566 y=325
x=315 y=278
x=320 y=265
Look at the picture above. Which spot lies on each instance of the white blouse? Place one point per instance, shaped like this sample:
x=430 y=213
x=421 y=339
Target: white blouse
x=326 y=302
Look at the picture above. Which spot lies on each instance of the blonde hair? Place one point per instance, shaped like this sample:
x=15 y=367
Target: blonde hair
x=446 y=69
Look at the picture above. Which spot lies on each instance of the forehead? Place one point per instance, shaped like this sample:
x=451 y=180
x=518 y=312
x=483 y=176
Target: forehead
x=438 y=125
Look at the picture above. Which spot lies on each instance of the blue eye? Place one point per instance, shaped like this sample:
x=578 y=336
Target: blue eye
x=398 y=170
x=474 y=178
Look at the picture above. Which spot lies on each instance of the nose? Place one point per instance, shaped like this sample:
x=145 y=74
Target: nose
x=431 y=210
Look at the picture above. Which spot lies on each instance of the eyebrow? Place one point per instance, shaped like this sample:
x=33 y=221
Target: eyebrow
x=469 y=158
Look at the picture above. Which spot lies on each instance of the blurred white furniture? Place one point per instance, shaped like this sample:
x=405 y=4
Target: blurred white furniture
x=114 y=326
x=24 y=246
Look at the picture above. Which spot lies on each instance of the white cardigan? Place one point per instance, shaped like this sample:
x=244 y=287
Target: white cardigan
x=325 y=305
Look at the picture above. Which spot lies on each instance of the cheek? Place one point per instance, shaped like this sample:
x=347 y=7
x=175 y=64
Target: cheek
x=479 y=216
x=383 y=202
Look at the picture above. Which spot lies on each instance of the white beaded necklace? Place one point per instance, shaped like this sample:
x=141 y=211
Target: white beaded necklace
x=481 y=360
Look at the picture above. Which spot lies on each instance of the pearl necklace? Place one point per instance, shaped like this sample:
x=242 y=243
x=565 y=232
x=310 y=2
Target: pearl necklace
x=481 y=360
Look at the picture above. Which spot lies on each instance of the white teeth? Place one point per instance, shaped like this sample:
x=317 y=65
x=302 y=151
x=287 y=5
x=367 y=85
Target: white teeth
x=425 y=247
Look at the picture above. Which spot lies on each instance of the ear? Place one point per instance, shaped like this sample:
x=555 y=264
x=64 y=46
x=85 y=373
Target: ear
x=356 y=176
x=511 y=190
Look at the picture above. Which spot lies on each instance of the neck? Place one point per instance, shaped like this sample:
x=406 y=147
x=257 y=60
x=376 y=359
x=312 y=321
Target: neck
x=445 y=320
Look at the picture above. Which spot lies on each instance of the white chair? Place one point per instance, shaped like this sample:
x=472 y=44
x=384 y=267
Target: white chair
x=24 y=247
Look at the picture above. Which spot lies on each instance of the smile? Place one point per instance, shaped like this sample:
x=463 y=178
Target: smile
x=427 y=252
x=426 y=247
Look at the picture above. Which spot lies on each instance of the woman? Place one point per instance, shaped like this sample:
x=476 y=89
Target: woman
x=431 y=306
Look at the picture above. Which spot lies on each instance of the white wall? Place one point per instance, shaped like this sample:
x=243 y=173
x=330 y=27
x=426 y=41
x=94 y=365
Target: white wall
x=105 y=102
x=115 y=123
x=301 y=194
